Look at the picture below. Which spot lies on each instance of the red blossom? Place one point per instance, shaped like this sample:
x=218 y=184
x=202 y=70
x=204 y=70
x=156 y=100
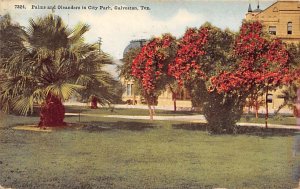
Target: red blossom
x=261 y=62
x=189 y=49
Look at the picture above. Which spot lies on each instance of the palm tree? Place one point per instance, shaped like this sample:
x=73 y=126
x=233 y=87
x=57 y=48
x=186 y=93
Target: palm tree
x=12 y=36
x=289 y=94
x=55 y=65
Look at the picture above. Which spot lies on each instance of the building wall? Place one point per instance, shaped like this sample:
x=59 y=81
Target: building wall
x=279 y=15
x=165 y=99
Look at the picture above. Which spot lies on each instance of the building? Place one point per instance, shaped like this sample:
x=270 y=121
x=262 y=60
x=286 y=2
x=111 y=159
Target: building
x=281 y=19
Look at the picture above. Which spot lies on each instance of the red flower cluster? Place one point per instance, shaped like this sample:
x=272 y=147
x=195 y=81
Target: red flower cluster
x=150 y=66
x=189 y=49
x=260 y=62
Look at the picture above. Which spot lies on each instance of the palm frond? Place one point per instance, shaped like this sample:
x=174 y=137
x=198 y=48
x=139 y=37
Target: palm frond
x=49 y=32
x=23 y=104
x=63 y=90
x=77 y=34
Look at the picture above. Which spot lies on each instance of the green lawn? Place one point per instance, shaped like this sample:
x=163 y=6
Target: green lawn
x=281 y=119
x=116 y=153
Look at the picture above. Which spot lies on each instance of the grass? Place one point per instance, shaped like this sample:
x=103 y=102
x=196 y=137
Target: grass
x=279 y=119
x=116 y=153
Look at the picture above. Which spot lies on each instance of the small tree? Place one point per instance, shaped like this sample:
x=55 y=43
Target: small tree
x=150 y=68
x=255 y=100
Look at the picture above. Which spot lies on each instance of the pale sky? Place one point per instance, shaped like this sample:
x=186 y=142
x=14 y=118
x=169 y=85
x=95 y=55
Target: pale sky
x=118 y=27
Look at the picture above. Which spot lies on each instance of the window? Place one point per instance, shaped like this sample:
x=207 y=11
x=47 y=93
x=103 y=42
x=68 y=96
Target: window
x=128 y=89
x=289 y=28
x=272 y=30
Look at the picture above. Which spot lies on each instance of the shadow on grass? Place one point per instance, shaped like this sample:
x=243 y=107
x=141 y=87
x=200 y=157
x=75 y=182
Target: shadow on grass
x=96 y=126
x=244 y=130
x=191 y=126
x=178 y=112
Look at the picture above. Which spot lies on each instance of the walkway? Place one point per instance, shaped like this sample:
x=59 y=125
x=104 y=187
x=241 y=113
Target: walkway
x=188 y=118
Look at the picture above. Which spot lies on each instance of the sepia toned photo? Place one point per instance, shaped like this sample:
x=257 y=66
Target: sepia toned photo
x=162 y=94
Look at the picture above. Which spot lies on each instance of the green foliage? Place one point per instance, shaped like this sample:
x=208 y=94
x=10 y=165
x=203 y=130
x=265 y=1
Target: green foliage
x=221 y=110
x=125 y=68
x=12 y=37
x=125 y=71
x=219 y=51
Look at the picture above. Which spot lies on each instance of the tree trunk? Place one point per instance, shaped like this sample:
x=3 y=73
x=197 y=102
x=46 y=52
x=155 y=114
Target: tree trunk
x=267 y=110
x=94 y=103
x=256 y=109
x=174 y=97
x=151 y=102
x=52 y=112
x=151 y=112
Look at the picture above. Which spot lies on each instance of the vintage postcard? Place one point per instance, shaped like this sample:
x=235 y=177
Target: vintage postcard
x=149 y=94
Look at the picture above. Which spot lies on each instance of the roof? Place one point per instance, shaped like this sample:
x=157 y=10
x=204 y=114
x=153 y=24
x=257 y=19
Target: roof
x=134 y=44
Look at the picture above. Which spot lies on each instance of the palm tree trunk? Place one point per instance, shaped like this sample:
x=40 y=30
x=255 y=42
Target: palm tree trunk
x=94 y=103
x=52 y=112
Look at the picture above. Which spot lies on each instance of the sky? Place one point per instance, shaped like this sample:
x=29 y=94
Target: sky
x=118 y=27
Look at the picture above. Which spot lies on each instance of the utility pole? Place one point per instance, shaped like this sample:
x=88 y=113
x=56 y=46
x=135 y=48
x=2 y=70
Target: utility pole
x=100 y=43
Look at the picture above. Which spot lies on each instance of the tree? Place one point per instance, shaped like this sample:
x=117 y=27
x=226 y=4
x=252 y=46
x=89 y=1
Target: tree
x=55 y=64
x=150 y=68
x=100 y=86
x=12 y=37
x=262 y=63
x=289 y=93
x=202 y=54
x=222 y=70
x=126 y=72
